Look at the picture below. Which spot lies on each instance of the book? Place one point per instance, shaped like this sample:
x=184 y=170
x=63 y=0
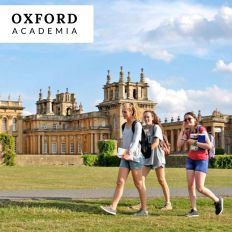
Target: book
x=200 y=138
x=123 y=154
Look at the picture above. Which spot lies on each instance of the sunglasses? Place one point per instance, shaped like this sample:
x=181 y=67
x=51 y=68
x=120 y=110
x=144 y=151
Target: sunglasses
x=187 y=119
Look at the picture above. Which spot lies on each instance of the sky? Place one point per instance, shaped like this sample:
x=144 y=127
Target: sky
x=184 y=47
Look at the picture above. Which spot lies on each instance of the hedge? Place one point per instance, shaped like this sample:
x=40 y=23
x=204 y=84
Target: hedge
x=221 y=161
x=100 y=160
x=90 y=159
x=7 y=149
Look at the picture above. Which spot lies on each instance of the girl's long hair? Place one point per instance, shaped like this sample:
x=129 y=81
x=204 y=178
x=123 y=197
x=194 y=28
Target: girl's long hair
x=132 y=108
x=156 y=119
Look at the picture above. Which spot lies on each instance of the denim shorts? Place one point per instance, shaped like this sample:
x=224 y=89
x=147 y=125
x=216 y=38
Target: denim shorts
x=197 y=165
x=130 y=164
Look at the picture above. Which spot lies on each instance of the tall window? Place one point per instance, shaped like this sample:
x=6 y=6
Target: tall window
x=54 y=148
x=134 y=94
x=45 y=148
x=14 y=128
x=71 y=148
x=4 y=124
x=63 y=148
x=78 y=148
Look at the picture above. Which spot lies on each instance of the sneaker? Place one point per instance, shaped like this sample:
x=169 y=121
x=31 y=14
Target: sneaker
x=167 y=206
x=108 y=210
x=141 y=212
x=192 y=213
x=136 y=207
x=219 y=206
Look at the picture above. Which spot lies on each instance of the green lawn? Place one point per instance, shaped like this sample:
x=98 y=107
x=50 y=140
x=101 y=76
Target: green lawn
x=87 y=216
x=79 y=177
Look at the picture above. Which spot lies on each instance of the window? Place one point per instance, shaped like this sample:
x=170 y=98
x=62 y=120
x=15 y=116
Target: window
x=14 y=128
x=4 y=124
x=54 y=126
x=45 y=148
x=71 y=147
x=63 y=148
x=78 y=148
x=44 y=127
x=134 y=94
x=54 y=148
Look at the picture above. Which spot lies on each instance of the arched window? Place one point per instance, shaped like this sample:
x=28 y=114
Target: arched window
x=134 y=94
x=14 y=126
x=4 y=124
x=68 y=111
x=58 y=110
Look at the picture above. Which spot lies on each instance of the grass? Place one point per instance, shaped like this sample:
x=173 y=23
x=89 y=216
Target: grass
x=87 y=216
x=81 y=177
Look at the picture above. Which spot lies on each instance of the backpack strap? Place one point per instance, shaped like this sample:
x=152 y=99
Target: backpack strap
x=123 y=126
x=132 y=126
x=198 y=128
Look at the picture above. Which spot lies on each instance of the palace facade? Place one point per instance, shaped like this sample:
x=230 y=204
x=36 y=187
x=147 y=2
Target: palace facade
x=60 y=125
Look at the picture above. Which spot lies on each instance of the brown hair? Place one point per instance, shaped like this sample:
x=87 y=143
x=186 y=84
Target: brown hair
x=132 y=108
x=193 y=115
x=155 y=119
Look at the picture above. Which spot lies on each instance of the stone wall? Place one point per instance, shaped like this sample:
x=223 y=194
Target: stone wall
x=22 y=160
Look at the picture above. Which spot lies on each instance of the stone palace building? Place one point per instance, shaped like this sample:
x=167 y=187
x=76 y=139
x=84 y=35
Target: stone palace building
x=60 y=125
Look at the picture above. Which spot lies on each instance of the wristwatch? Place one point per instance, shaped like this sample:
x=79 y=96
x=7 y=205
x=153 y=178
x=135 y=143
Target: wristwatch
x=195 y=143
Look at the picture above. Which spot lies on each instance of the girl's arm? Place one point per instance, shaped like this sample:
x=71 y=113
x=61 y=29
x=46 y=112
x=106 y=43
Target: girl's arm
x=155 y=143
x=136 y=138
x=182 y=138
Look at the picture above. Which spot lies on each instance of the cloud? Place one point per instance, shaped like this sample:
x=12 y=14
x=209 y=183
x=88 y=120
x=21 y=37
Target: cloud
x=161 y=29
x=174 y=103
x=222 y=67
x=27 y=113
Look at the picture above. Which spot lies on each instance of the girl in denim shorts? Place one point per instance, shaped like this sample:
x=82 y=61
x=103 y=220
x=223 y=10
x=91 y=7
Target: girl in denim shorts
x=132 y=161
x=197 y=161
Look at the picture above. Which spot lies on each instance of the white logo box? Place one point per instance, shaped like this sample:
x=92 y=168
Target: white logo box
x=46 y=23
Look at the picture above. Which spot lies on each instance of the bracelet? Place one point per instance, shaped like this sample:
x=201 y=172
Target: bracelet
x=196 y=143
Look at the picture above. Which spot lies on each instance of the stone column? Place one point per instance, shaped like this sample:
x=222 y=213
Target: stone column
x=101 y=136
x=42 y=144
x=91 y=142
x=213 y=131
x=172 y=140
x=223 y=138
x=178 y=132
x=95 y=143
x=38 y=144
x=58 y=145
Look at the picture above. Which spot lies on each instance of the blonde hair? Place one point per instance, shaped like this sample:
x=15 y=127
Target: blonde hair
x=132 y=108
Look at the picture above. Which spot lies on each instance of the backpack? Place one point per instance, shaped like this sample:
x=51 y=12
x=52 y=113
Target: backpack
x=145 y=145
x=211 y=152
x=165 y=145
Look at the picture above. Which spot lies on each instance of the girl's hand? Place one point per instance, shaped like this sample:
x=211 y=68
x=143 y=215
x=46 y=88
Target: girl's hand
x=127 y=156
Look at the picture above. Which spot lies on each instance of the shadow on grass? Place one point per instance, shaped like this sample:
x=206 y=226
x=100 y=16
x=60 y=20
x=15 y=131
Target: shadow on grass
x=85 y=206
